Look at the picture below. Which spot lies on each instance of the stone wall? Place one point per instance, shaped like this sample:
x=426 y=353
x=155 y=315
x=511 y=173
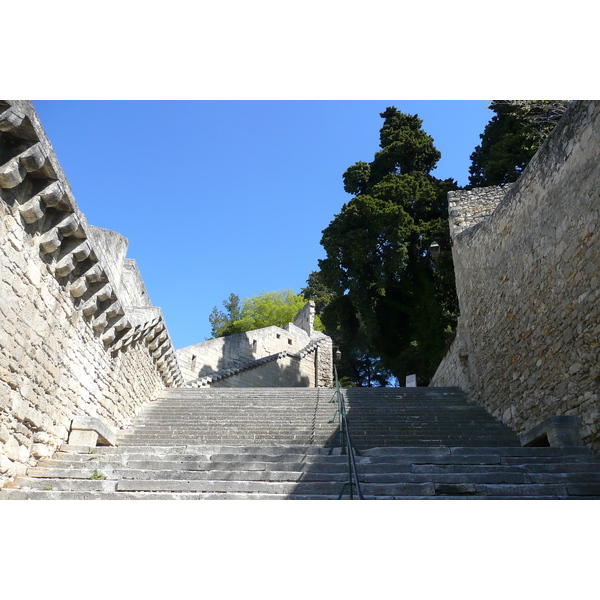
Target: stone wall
x=528 y=282
x=246 y=354
x=283 y=370
x=78 y=334
x=470 y=207
x=305 y=319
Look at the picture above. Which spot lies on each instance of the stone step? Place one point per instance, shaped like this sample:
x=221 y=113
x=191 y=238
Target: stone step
x=72 y=482
x=265 y=487
x=153 y=440
x=253 y=426
x=207 y=449
x=360 y=442
x=419 y=421
x=39 y=477
x=126 y=457
x=196 y=462
x=276 y=405
x=240 y=466
x=426 y=463
x=371 y=391
x=60 y=495
x=403 y=473
x=68 y=485
x=497 y=477
x=574 y=493
x=496 y=490
x=245 y=468
x=468 y=450
x=573 y=468
x=474 y=459
x=382 y=432
x=483 y=497
x=274 y=444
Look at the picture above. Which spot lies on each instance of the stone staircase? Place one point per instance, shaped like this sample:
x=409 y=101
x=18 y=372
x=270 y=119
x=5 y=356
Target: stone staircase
x=273 y=443
x=422 y=417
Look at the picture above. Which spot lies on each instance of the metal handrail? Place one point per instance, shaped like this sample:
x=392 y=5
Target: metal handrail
x=346 y=439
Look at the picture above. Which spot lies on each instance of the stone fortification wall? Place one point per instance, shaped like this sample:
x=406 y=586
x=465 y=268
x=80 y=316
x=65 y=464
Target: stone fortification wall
x=470 y=207
x=233 y=351
x=528 y=282
x=78 y=334
x=305 y=319
x=280 y=370
x=245 y=358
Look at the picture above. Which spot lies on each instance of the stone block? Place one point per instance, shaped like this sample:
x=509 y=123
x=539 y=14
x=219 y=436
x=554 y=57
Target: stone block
x=11 y=174
x=105 y=434
x=4 y=433
x=41 y=451
x=556 y=431
x=7 y=467
x=79 y=437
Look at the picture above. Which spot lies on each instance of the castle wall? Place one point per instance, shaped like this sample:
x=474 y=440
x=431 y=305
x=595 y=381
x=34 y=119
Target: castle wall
x=286 y=371
x=78 y=334
x=304 y=369
x=311 y=367
x=528 y=282
x=305 y=318
x=234 y=350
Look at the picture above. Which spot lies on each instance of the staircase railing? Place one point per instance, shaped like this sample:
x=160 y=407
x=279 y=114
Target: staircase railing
x=346 y=441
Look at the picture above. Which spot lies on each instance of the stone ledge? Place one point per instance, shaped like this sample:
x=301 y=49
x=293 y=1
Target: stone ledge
x=555 y=431
x=89 y=431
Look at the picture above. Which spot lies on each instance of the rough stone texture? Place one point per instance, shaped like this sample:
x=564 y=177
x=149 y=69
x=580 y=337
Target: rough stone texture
x=78 y=335
x=283 y=443
x=527 y=276
x=470 y=207
x=294 y=356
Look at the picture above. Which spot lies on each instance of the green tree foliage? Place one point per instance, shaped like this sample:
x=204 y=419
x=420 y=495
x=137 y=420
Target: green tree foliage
x=511 y=138
x=219 y=320
x=359 y=364
x=386 y=302
x=266 y=309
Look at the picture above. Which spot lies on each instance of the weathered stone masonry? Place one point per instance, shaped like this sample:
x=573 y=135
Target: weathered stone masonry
x=528 y=282
x=78 y=334
x=80 y=341
x=294 y=356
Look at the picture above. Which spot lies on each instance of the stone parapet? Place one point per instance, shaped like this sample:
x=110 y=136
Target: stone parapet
x=71 y=343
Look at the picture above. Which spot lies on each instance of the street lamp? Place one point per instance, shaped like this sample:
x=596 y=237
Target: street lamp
x=434 y=250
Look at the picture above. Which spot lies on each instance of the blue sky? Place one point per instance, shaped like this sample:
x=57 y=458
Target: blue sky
x=230 y=196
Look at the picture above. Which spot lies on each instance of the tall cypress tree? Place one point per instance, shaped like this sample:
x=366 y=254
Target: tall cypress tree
x=390 y=297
